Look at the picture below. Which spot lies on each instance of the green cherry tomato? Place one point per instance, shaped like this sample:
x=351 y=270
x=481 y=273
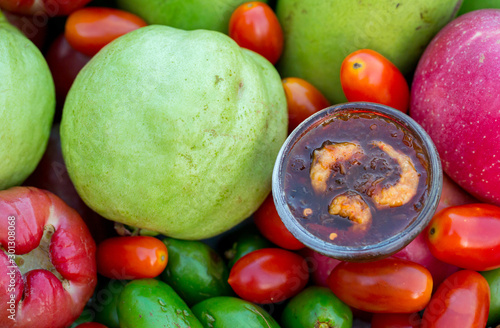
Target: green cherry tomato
x=316 y=307
x=242 y=242
x=195 y=271
x=493 y=279
x=149 y=303
x=105 y=304
x=227 y=312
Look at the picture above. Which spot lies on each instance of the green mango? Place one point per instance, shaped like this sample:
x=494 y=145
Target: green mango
x=316 y=307
x=185 y=14
x=195 y=271
x=149 y=303
x=319 y=34
x=471 y=5
x=231 y=312
x=493 y=278
x=174 y=131
x=27 y=98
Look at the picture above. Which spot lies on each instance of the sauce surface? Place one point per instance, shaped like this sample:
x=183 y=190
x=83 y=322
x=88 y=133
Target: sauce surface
x=356 y=179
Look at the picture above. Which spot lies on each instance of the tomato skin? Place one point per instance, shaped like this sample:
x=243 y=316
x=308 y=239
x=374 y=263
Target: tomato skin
x=303 y=100
x=366 y=75
x=395 y=320
x=270 y=226
x=132 y=257
x=462 y=300
x=269 y=275
x=467 y=236
x=89 y=29
x=254 y=26
x=385 y=286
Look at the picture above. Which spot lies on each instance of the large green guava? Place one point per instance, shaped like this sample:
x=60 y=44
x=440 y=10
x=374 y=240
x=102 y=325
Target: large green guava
x=320 y=34
x=174 y=131
x=185 y=14
x=27 y=104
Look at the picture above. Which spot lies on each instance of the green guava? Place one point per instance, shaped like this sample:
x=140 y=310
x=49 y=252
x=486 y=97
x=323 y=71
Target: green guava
x=27 y=105
x=320 y=34
x=174 y=131
x=185 y=14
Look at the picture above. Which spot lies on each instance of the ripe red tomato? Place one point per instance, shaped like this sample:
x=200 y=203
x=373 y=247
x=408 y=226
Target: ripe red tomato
x=91 y=325
x=269 y=275
x=65 y=63
x=133 y=257
x=366 y=75
x=90 y=29
x=385 y=286
x=395 y=320
x=254 y=26
x=270 y=226
x=303 y=100
x=462 y=300
x=467 y=236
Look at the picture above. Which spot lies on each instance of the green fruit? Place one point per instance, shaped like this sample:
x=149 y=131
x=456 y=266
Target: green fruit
x=242 y=242
x=320 y=34
x=493 y=278
x=149 y=303
x=105 y=304
x=174 y=131
x=230 y=312
x=316 y=307
x=27 y=99
x=471 y=5
x=185 y=14
x=195 y=271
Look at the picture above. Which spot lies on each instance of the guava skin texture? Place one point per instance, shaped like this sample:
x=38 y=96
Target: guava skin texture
x=27 y=105
x=185 y=14
x=319 y=34
x=455 y=97
x=174 y=131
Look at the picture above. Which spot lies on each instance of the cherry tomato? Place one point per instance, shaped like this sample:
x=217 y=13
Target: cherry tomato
x=462 y=300
x=88 y=30
x=303 y=100
x=395 y=320
x=366 y=75
x=254 y=26
x=91 y=325
x=269 y=275
x=133 y=257
x=45 y=8
x=385 y=286
x=65 y=63
x=467 y=236
x=270 y=226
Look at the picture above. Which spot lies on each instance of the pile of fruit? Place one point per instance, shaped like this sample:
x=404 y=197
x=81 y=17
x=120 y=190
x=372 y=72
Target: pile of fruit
x=137 y=146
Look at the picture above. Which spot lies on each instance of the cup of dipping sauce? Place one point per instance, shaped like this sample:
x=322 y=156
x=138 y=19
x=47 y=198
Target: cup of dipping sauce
x=357 y=181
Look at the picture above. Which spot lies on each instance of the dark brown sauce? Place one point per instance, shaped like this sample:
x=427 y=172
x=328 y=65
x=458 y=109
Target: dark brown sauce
x=374 y=171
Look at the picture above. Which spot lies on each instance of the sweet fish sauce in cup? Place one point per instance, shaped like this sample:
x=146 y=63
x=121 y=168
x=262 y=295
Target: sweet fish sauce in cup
x=357 y=181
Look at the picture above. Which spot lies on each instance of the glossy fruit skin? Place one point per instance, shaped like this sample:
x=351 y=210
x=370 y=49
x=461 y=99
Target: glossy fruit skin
x=270 y=226
x=48 y=8
x=225 y=312
x=149 y=303
x=493 y=279
x=254 y=26
x=467 y=236
x=395 y=320
x=366 y=75
x=303 y=100
x=105 y=304
x=269 y=275
x=462 y=300
x=385 y=286
x=195 y=271
x=89 y=29
x=316 y=306
x=132 y=257
x=242 y=242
